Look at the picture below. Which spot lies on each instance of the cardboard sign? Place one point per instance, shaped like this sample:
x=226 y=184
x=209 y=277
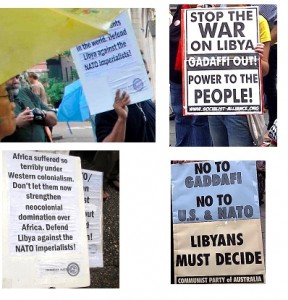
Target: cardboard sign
x=216 y=223
x=221 y=70
x=93 y=197
x=44 y=232
x=209 y=191
x=109 y=63
x=218 y=252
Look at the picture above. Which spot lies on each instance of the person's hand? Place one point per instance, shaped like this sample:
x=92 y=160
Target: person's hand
x=24 y=118
x=120 y=104
x=259 y=49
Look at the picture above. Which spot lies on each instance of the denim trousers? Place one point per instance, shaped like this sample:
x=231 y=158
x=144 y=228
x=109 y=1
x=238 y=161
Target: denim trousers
x=230 y=131
x=190 y=130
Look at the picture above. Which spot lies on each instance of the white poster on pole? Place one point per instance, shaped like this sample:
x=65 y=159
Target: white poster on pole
x=93 y=197
x=111 y=62
x=44 y=232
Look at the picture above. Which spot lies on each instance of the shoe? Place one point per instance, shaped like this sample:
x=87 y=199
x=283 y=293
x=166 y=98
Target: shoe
x=266 y=137
x=172 y=116
x=106 y=195
x=265 y=144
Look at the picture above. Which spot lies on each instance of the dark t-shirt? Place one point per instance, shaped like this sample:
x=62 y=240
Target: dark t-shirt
x=175 y=33
x=140 y=124
x=32 y=132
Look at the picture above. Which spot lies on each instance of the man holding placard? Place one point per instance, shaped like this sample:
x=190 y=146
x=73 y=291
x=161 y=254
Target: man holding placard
x=133 y=123
x=113 y=75
x=226 y=55
x=235 y=130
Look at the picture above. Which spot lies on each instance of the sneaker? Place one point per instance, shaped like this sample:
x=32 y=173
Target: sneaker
x=172 y=116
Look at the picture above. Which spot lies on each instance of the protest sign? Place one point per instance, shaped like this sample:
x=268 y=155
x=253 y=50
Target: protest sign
x=217 y=234
x=209 y=191
x=221 y=70
x=218 y=252
x=44 y=232
x=111 y=62
x=93 y=197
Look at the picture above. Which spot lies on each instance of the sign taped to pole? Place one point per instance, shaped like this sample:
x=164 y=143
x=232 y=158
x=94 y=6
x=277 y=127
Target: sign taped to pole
x=44 y=232
x=221 y=70
x=217 y=234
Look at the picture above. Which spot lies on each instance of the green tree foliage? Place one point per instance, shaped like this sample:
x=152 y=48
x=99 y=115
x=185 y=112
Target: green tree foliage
x=55 y=90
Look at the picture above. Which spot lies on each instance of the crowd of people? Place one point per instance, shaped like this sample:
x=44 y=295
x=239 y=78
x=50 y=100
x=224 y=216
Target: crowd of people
x=225 y=130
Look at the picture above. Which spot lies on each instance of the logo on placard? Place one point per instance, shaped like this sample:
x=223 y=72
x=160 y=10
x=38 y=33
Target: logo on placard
x=138 y=84
x=73 y=269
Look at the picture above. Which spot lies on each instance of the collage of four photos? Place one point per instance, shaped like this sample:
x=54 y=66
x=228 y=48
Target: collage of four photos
x=93 y=84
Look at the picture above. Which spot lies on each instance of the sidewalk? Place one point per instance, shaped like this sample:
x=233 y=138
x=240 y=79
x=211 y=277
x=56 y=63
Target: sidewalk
x=73 y=132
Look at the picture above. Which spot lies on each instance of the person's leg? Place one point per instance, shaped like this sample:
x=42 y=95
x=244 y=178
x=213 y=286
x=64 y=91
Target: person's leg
x=218 y=131
x=238 y=131
x=108 y=163
x=201 y=134
x=183 y=125
x=270 y=86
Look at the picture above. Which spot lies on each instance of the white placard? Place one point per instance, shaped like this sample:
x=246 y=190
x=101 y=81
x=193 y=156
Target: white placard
x=111 y=62
x=44 y=232
x=93 y=198
x=221 y=68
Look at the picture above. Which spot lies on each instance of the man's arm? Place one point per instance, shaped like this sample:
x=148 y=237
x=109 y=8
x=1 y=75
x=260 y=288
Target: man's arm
x=119 y=129
x=274 y=34
x=50 y=119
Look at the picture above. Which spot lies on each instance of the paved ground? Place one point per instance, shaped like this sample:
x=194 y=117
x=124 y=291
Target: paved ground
x=80 y=132
x=172 y=133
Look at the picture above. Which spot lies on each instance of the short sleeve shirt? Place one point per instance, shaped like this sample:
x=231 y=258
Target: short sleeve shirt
x=33 y=132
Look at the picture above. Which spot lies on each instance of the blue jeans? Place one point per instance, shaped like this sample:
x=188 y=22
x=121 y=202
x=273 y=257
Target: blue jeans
x=230 y=131
x=190 y=130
